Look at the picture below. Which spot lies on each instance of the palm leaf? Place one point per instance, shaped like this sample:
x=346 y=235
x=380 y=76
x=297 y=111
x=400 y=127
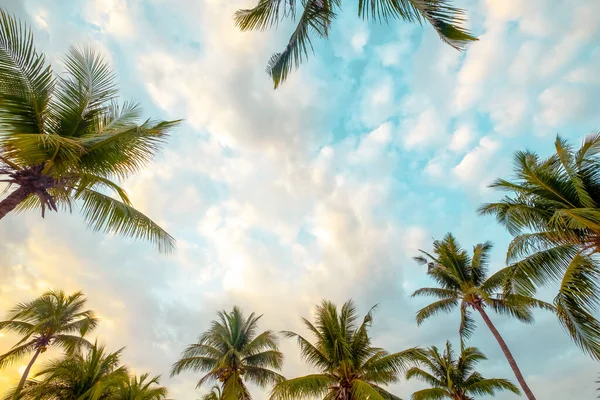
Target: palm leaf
x=26 y=81
x=103 y=213
x=577 y=304
x=306 y=387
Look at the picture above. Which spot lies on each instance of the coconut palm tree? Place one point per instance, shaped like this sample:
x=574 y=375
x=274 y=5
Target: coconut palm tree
x=318 y=15
x=553 y=211
x=64 y=138
x=142 y=388
x=454 y=378
x=231 y=352
x=94 y=375
x=464 y=283
x=55 y=319
x=349 y=368
x=214 y=394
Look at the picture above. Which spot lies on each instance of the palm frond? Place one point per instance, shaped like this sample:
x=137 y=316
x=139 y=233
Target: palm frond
x=577 y=303
x=430 y=394
x=266 y=14
x=306 y=387
x=444 y=305
x=26 y=81
x=316 y=17
x=362 y=390
x=105 y=214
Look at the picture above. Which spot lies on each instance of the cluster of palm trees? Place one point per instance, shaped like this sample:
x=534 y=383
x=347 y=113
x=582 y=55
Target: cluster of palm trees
x=65 y=139
x=232 y=354
x=86 y=371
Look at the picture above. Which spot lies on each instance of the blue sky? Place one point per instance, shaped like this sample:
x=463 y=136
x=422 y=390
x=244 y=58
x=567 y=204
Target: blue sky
x=324 y=188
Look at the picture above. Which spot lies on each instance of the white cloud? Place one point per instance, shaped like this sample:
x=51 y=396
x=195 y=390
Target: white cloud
x=473 y=168
x=461 y=138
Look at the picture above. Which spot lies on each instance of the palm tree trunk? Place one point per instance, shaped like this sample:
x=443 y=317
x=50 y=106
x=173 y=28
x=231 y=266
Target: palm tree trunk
x=26 y=373
x=507 y=353
x=13 y=200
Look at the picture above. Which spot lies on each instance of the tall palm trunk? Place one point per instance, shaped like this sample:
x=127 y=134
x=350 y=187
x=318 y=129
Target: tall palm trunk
x=507 y=353
x=26 y=373
x=13 y=200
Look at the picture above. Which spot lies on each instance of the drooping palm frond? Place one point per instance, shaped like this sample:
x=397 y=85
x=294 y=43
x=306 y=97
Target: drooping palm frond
x=318 y=15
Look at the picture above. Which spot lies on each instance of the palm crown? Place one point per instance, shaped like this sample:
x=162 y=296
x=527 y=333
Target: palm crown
x=94 y=375
x=454 y=378
x=464 y=283
x=349 y=368
x=318 y=15
x=141 y=388
x=63 y=139
x=231 y=352
x=553 y=210
x=53 y=319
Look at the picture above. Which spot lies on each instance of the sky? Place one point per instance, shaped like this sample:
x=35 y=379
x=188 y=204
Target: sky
x=385 y=140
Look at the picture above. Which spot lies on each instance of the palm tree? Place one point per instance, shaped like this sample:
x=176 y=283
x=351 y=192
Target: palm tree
x=318 y=15
x=349 y=368
x=464 y=283
x=95 y=375
x=215 y=394
x=142 y=388
x=232 y=353
x=553 y=211
x=52 y=320
x=454 y=378
x=64 y=139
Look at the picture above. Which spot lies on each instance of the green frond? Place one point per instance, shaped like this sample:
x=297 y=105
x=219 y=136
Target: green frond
x=25 y=78
x=123 y=150
x=418 y=373
x=267 y=14
x=445 y=305
x=316 y=17
x=311 y=354
x=577 y=304
x=364 y=391
x=437 y=292
x=16 y=354
x=262 y=377
x=84 y=91
x=70 y=343
x=306 y=387
x=269 y=358
x=430 y=394
x=489 y=387
x=590 y=148
x=467 y=324
x=105 y=214
x=195 y=364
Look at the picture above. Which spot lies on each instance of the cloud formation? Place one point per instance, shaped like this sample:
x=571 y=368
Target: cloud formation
x=322 y=189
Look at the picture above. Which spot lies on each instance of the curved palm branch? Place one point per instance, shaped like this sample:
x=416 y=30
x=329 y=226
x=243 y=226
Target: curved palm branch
x=318 y=15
